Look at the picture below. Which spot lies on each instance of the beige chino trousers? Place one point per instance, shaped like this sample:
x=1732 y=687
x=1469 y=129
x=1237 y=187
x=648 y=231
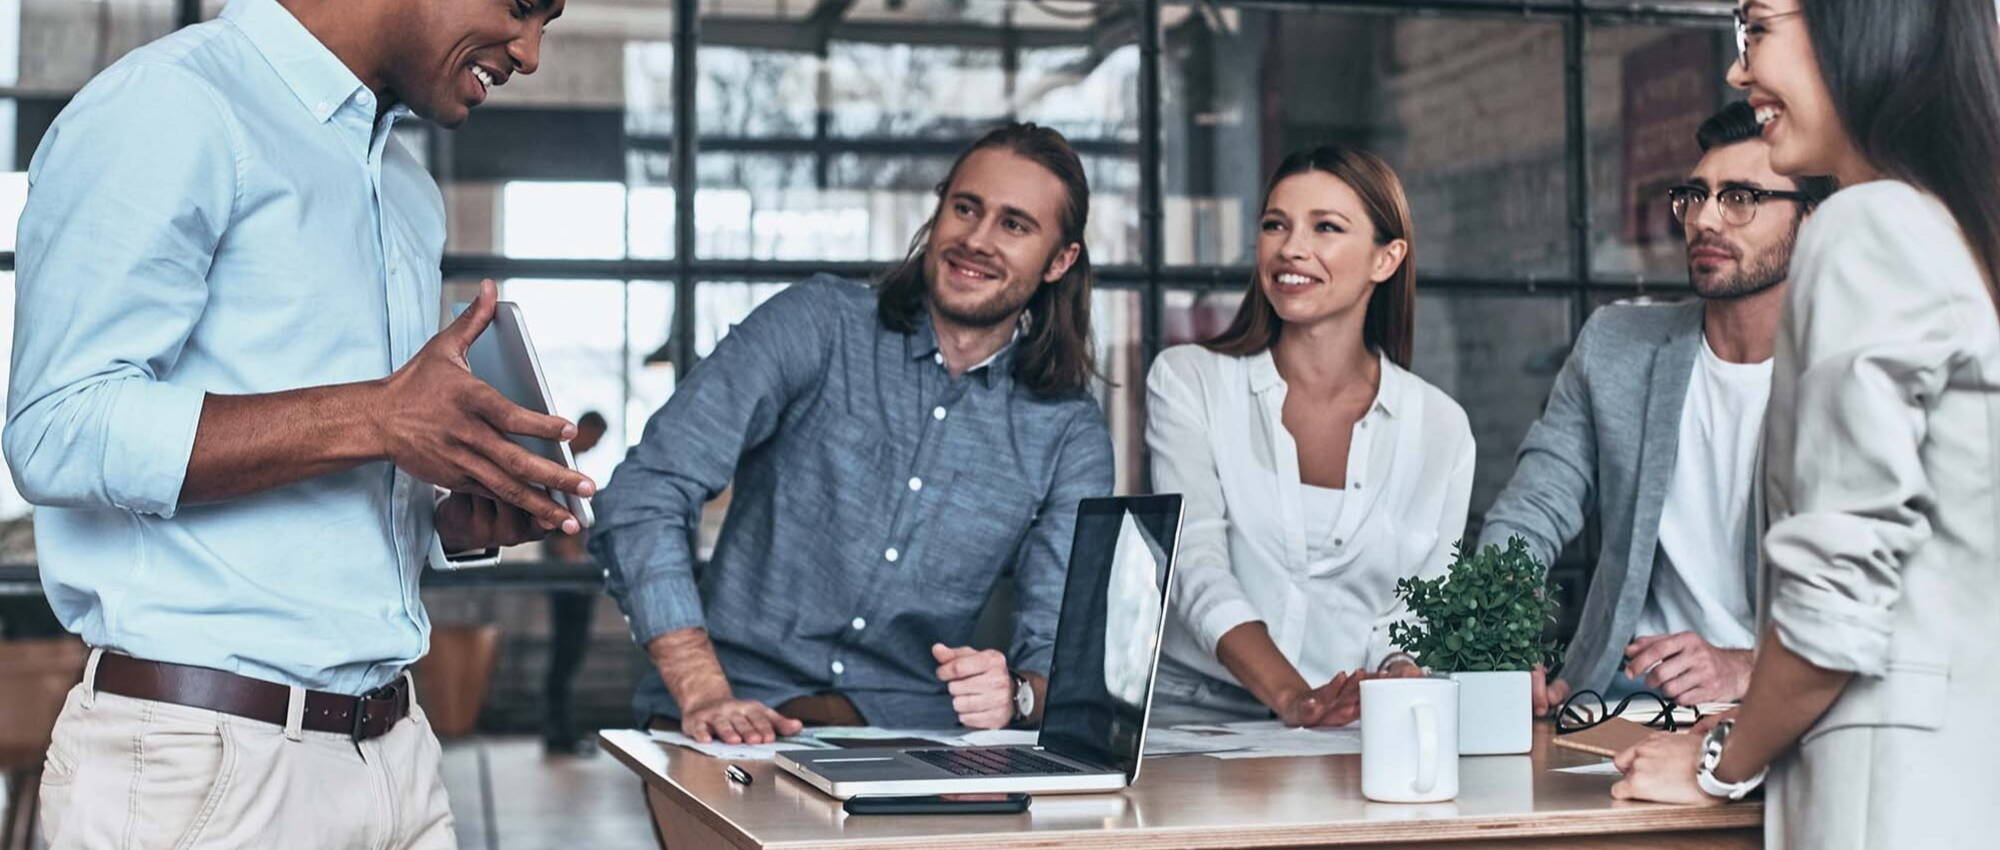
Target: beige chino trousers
x=130 y=773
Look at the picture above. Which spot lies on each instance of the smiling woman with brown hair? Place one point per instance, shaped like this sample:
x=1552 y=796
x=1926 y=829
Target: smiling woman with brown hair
x=1317 y=469
x=1869 y=703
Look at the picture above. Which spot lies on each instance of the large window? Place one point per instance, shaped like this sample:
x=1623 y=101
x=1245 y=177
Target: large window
x=1534 y=139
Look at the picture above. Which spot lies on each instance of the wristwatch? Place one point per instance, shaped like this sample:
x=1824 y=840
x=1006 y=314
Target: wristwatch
x=1711 y=755
x=1024 y=698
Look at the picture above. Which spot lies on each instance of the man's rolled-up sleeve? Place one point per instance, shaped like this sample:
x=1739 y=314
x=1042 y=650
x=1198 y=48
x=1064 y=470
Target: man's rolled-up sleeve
x=649 y=510
x=129 y=196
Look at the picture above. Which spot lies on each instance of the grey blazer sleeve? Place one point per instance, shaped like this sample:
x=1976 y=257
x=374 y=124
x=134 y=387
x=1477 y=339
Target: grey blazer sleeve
x=1547 y=500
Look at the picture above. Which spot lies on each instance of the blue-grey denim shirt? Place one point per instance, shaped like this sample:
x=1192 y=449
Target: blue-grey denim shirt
x=877 y=503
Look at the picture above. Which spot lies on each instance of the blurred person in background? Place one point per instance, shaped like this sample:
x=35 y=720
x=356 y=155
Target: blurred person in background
x=569 y=621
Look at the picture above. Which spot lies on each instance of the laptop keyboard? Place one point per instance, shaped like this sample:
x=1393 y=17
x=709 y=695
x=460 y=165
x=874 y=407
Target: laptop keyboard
x=991 y=761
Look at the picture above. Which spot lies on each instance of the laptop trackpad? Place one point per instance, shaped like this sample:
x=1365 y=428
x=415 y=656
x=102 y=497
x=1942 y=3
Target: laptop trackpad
x=872 y=766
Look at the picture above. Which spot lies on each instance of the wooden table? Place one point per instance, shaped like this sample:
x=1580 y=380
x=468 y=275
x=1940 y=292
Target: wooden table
x=1193 y=801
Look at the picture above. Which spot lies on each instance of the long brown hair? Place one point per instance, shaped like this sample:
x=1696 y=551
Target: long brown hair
x=1917 y=87
x=1388 y=326
x=1055 y=357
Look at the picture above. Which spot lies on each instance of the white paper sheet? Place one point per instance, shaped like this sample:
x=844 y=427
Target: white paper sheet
x=1254 y=739
x=1604 y=768
x=735 y=752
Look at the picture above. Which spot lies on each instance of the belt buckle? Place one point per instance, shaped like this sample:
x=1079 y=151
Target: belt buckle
x=386 y=693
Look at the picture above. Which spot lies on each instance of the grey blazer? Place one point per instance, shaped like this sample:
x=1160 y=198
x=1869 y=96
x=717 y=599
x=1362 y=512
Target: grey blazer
x=1606 y=444
x=1882 y=453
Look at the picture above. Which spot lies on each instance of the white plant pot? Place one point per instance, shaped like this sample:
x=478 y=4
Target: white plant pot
x=1495 y=713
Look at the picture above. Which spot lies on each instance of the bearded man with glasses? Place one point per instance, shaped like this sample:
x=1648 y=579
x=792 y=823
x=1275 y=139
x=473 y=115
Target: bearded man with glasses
x=1652 y=427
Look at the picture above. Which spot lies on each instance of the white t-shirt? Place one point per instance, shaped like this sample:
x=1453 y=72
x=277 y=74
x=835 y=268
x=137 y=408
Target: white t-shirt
x=1701 y=586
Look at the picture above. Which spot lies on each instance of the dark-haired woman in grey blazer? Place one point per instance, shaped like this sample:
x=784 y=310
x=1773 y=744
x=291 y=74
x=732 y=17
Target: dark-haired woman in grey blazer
x=1871 y=704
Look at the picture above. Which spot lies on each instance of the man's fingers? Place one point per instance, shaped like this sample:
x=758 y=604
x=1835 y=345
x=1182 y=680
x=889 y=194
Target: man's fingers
x=508 y=417
x=1653 y=654
x=976 y=684
x=976 y=703
x=510 y=490
x=760 y=726
x=972 y=664
x=696 y=727
x=529 y=467
x=1557 y=694
x=1621 y=790
x=1674 y=667
x=943 y=653
x=471 y=323
x=784 y=725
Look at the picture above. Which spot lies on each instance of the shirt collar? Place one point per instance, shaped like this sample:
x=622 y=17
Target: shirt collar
x=1388 y=397
x=321 y=82
x=922 y=343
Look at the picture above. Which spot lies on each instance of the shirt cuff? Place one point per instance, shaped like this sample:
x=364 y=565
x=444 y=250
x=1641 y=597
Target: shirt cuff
x=1815 y=626
x=442 y=560
x=1036 y=661
x=148 y=441
x=1220 y=619
x=658 y=605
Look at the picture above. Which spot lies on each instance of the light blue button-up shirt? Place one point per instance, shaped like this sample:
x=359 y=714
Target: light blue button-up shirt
x=221 y=212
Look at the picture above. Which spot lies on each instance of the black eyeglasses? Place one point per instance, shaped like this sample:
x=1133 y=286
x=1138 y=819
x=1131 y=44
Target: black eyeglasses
x=1739 y=203
x=1585 y=709
x=1747 y=27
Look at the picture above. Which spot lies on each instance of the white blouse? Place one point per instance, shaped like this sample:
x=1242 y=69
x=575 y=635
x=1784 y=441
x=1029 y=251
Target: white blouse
x=1214 y=425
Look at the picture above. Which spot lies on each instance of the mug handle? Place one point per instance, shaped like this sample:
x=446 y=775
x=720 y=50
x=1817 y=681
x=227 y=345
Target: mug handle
x=1427 y=746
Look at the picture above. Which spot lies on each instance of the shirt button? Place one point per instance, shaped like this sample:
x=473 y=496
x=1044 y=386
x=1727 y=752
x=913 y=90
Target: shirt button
x=859 y=624
x=916 y=484
x=320 y=107
x=1339 y=542
x=1357 y=485
x=938 y=413
x=891 y=555
x=938 y=358
x=839 y=668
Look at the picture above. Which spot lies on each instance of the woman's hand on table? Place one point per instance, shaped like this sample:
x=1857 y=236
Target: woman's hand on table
x=1661 y=769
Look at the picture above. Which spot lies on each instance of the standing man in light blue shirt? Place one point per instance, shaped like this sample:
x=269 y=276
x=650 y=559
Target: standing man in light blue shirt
x=229 y=406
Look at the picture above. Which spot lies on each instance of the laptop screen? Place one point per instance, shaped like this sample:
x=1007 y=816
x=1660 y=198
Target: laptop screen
x=1108 y=635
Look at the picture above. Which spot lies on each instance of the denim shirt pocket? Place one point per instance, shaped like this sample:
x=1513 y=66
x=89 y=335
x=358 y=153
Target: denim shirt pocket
x=977 y=535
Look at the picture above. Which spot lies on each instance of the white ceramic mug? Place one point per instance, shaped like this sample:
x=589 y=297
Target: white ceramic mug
x=1409 y=740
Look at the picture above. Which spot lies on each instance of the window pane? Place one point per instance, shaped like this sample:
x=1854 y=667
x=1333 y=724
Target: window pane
x=58 y=45
x=1469 y=110
x=593 y=338
x=12 y=506
x=1117 y=326
x=1194 y=316
x=560 y=163
x=825 y=139
x=1497 y=356
x=718 y=307
x=1650 y=89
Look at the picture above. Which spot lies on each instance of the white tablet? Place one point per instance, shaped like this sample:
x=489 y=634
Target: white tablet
x=503 y=357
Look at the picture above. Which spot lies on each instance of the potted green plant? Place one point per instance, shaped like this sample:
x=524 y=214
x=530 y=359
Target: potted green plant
x=1485 y=624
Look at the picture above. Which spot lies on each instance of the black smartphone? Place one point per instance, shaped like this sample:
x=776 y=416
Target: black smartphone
x=939 y=804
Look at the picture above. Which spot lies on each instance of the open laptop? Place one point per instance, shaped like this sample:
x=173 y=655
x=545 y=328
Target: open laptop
x=1100 y=687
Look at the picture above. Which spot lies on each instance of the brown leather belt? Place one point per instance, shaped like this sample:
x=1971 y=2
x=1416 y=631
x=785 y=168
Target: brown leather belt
x=367 y=716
